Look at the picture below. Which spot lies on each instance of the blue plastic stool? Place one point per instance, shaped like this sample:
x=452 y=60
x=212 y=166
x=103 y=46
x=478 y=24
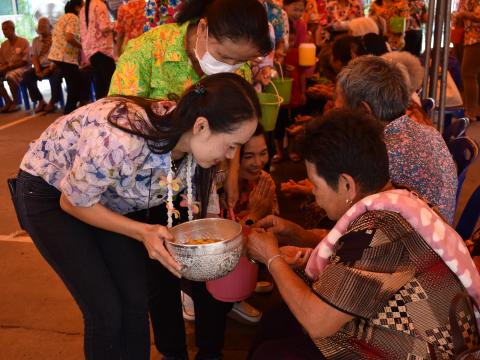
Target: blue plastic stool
x=23 y=95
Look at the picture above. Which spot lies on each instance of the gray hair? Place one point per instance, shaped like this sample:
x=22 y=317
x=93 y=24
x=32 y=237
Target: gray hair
x=413 y=65
x=374 y=81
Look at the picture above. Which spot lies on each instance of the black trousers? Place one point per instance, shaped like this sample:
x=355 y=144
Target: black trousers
x=281 y=337
x=114 y=282
x=72 y=76
x=103 y=68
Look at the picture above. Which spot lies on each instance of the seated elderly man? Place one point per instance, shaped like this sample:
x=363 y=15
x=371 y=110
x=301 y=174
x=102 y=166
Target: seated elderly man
x=43 y=69
x=14 y=61
x=418 y=156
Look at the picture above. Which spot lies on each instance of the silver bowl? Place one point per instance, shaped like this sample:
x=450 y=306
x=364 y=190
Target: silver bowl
x=207 y=261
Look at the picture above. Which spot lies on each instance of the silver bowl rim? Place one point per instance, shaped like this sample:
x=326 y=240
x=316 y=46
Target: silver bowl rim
x=189 y=246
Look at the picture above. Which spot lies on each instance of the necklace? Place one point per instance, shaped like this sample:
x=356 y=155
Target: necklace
x=171 y=174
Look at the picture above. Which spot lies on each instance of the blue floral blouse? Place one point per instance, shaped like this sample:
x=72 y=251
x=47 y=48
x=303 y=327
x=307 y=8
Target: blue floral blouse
x=420 y=160
x=91 y=161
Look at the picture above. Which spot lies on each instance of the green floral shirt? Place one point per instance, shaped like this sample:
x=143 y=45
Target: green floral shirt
x=156 y=64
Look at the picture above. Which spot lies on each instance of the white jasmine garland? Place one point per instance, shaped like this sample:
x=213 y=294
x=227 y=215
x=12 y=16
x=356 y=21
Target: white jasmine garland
x=170 y=195
x=189 y=187
x=170 y=176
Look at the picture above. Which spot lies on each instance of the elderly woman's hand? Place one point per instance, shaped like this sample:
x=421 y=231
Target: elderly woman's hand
x=296 y=256
x=283 y=229
x=262 y=245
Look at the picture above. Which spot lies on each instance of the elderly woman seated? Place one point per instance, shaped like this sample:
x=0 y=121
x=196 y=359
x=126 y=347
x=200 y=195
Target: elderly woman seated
x=383 y=280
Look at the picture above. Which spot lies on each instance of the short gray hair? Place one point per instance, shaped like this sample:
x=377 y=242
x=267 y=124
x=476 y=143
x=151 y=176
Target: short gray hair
x=412 y=63
x=377 y=82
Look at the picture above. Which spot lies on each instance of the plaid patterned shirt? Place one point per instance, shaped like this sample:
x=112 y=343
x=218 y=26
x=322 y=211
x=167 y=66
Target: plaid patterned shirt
x=399 y=290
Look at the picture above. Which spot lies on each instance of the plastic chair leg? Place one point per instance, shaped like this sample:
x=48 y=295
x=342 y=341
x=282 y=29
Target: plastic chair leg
x=24 y=96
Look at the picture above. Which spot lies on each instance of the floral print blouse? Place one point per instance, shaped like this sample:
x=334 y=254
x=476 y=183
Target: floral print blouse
x=419 y=159
x=411 y=10
x=311 y=12
x=98 y=36
x=91 y=161
x=61 y=50
x=472 y=29
x=155 y=64
x=158 y=12
x=275 y=17
x=331 y=12
x=130 y=19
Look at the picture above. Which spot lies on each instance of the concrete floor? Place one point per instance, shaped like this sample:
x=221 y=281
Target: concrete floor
x=38 y=317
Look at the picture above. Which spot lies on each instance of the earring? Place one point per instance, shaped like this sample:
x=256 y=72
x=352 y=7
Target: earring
x=348 y=201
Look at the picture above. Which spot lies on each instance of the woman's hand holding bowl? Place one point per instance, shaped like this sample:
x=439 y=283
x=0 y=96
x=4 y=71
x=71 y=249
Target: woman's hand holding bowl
x=153 y=238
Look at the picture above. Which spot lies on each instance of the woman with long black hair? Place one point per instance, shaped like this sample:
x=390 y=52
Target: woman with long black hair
x=94 y=194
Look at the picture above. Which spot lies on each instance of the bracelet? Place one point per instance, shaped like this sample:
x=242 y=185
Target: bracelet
x=269 y=262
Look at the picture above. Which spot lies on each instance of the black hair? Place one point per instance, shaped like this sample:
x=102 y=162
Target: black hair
x=347 y=142
x=71 y=5
x=258 y=131
x=291 y=26
x=87 y=10
x=226 y=100
x=288 y=2
x=231 y=19
x=374 y=44
x=344 y=46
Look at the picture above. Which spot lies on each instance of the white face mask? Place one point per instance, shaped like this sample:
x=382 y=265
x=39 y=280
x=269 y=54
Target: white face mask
x=210 y=65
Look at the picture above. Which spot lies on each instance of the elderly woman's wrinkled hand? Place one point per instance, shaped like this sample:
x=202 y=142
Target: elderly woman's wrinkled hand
x=262 y=245
x=296 y=256
x=283 y=229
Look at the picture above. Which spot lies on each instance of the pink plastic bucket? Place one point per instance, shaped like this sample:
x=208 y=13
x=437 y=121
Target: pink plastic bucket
x=237 y=285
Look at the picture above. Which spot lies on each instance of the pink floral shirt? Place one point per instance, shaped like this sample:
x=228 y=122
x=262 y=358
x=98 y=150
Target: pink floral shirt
x=332 y=12
x=98 y=37
x=412 y=10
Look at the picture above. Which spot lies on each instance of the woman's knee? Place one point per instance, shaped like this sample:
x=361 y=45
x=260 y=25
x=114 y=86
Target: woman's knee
x=104 y=318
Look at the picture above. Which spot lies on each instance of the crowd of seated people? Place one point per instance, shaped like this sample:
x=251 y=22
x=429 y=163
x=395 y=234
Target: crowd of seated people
x=80 y=48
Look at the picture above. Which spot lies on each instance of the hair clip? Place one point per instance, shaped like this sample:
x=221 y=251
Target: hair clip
x=200 y=89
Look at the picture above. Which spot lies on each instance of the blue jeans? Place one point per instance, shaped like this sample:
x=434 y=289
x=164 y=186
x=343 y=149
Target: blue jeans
x=105 y=272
